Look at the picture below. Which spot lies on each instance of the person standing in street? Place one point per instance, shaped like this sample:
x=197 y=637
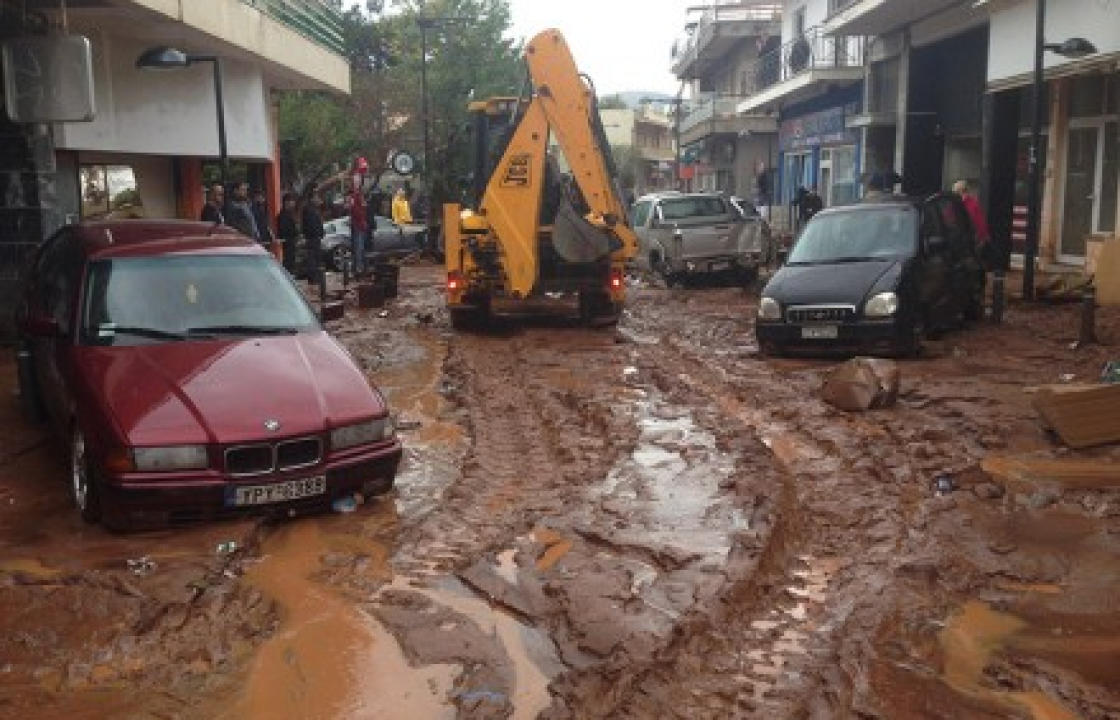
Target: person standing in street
x=311 y=223
x=240 y=213
x=402 y=212
x=979 y=222
x=261 y=218
x=359 y=227
x=213 y=210
x=287 y=229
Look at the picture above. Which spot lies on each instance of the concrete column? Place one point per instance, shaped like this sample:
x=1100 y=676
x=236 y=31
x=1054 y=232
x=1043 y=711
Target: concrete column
x=1057 y=146
x=903 y=102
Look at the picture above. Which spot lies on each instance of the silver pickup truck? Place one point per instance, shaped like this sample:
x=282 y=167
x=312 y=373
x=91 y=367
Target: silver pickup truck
x=681 y=234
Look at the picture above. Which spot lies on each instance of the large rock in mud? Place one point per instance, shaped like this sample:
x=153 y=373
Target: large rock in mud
x=862 y=384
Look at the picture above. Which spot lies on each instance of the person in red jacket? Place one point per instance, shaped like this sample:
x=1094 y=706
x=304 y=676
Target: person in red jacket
x=976 y=215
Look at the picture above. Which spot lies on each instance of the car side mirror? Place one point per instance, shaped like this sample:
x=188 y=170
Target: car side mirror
x=42 y=326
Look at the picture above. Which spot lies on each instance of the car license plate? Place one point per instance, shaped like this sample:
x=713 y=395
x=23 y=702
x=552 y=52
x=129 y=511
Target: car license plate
x=246 y=495
x=820 y=332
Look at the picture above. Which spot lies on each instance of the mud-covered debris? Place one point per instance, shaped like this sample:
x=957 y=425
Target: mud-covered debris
x=345 y=505
x=988 y=491
x=862 y=384
x=140 y=566
x=1082 y=415
x=944 y=485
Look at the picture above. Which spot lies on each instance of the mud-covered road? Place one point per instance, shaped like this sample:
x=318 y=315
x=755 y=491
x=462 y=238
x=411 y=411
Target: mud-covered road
x=648 y=522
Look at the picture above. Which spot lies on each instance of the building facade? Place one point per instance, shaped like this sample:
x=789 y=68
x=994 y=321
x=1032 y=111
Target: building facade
x=811 y=82
x=725 y=150
x=643 y=141
x=153 y=134
x=948 y=96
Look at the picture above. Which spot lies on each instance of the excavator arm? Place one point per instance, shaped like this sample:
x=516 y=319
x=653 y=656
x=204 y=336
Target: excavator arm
x=562 y=106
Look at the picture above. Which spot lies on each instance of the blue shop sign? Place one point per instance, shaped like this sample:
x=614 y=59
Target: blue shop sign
x=826 y=127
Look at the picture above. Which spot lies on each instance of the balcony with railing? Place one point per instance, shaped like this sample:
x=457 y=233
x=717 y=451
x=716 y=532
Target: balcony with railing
x=316 y=20
x=714 y=114
x=718 y=30
x=800 y=64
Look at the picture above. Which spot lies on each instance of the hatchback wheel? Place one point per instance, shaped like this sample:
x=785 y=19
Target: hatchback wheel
x=83 y=485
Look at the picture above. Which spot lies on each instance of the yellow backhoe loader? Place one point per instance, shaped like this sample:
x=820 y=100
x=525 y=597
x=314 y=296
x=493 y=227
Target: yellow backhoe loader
x=543 y=218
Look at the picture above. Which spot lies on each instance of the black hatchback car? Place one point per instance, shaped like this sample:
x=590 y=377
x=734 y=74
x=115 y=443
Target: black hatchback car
x=875 y=277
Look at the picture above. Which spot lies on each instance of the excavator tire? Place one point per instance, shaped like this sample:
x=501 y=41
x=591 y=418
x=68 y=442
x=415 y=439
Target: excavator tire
x=470 y=319
x=596 y=310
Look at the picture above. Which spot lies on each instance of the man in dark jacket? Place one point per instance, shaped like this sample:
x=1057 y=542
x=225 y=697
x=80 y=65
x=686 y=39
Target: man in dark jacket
x=287 y=229
x=311 y=223
x=240 y=213
x=213 y=210
x=261 y=218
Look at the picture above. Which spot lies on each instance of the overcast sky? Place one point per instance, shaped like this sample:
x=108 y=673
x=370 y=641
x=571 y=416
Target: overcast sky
x=621 y=44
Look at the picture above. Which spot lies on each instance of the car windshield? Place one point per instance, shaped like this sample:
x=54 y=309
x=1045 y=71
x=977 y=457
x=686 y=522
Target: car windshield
x=854 y=235
x=139 y=301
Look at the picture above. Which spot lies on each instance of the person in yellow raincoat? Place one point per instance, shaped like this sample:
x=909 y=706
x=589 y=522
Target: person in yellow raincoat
x=402 y=213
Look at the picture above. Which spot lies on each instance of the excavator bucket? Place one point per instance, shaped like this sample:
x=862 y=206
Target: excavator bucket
x=578 y=241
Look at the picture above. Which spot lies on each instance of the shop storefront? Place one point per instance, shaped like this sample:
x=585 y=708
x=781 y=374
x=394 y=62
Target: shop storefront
x=818 y=150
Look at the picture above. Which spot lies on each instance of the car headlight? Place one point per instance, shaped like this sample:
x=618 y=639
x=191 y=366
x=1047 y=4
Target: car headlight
x=364 y=433
x=882 y=305
x=170 y=459
x=769 y=309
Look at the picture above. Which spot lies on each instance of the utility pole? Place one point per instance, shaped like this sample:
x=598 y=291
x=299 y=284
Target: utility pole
x=1034 y=191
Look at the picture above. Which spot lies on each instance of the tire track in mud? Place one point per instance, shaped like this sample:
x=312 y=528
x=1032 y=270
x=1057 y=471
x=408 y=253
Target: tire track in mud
x=773 y=651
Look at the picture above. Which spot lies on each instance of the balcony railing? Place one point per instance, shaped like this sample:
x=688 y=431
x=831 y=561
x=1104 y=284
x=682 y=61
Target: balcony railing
x=707 y=109
x=812 y=51
x=316 y=20
x=689 y=45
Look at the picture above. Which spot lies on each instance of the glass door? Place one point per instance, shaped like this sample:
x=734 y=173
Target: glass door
x=1079 y=208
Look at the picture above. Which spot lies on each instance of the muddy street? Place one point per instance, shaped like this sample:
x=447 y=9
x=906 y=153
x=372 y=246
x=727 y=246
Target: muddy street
x=644 y=522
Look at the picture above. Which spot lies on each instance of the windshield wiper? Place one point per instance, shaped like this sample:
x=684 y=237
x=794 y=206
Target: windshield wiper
x=147 y=332
x=244 y=330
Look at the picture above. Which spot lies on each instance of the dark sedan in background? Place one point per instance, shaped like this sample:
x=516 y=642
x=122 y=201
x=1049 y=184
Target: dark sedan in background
x=876 y=277
x=190 y=378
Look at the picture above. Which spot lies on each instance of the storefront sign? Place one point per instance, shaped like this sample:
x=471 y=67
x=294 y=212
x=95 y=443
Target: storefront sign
x=814 y=129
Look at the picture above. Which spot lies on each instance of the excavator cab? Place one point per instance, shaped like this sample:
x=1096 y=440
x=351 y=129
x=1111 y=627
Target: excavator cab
x=543 y=214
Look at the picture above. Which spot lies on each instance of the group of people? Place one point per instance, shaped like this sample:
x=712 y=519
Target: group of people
x=248 y=214
x=247 y=211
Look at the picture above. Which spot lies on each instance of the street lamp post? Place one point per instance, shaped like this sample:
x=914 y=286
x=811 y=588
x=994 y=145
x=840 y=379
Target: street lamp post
x=425 y=24
x=167 y=58
x=1072 y=48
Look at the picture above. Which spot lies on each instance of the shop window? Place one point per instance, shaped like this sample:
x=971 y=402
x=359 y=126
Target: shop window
x=844 y=185
x=109 y=192
x=1110 y=177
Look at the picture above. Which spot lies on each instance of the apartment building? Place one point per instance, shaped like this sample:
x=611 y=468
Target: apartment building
x=152 y=135
x=724 y=149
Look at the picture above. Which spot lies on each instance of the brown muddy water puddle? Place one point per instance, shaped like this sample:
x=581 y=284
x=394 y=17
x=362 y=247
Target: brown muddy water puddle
x=434 y=445
x=974 y=635
x=671 y=483
x=329 y=659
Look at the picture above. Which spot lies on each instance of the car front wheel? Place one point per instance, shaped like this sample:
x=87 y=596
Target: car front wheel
x=83 y=485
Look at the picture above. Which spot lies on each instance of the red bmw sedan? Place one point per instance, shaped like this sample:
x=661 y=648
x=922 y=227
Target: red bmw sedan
x=191 y=379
